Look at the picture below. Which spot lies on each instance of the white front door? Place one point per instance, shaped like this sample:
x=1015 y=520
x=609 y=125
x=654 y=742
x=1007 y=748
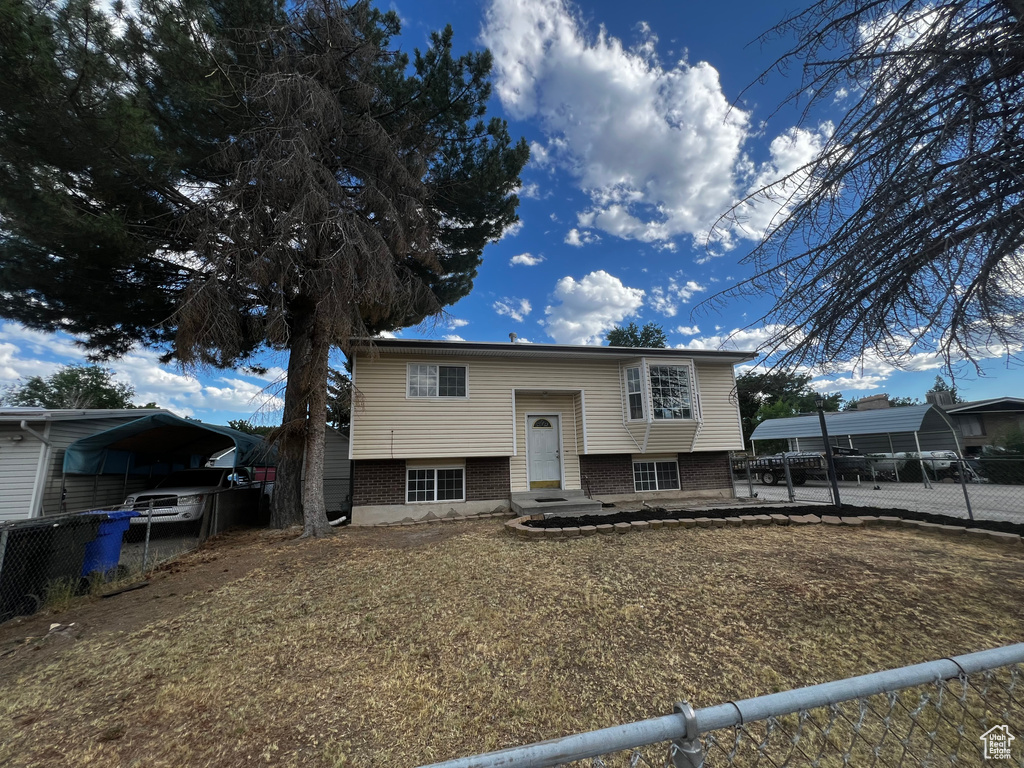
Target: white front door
x=545 y=459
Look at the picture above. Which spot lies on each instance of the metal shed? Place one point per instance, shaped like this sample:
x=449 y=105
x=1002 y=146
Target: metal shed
x=884 y=430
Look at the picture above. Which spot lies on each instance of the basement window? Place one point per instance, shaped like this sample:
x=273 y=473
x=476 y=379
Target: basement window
x=655 y=476
x=435 y=484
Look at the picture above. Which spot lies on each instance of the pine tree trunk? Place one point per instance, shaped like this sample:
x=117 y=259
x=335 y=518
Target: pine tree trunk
x=314 y=510
x=286 y=506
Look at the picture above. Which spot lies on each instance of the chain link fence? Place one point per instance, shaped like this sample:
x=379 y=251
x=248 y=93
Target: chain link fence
x=961 y=711
x=46 y=562
x=988 y=488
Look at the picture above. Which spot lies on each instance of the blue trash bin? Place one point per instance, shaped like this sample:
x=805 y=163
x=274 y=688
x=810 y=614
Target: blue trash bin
x=104 y=552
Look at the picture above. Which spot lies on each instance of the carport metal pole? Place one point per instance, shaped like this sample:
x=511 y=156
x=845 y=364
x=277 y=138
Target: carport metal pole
x=819 y=400
x=920 y=457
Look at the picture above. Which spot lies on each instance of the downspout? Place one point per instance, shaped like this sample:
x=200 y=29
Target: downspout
x=36 y=509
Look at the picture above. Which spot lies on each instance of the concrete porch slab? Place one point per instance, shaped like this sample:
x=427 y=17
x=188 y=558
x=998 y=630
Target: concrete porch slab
x=568 y=503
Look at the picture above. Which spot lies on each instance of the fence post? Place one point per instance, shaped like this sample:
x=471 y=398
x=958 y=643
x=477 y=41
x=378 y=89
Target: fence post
x=961 y=469
x=789 y=477
x=687 y=752
x=3 y=549
x=149 y=525
x=750 y=481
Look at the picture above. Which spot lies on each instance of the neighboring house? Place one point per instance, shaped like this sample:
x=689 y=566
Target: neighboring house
x=985 y=422
x=469 y=426
x=32 y=443
x=337 y=471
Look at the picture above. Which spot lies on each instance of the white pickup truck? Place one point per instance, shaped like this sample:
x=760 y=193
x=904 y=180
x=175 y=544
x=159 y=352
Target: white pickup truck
x=184 y=496
x=939 y=464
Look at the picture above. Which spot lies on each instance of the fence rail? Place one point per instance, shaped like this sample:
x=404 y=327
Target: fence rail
x=987 y=489
x=949 y=712
x=50 y=560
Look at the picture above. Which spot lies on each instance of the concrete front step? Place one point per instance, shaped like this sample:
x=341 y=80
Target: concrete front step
x=571 y=503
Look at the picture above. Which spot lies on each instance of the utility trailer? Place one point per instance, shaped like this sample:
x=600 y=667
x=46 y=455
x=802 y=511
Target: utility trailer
x=770 y=470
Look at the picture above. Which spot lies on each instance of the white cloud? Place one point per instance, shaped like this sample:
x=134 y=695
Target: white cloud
x=661 y=303
x=666 y=300
x=517 y=309
x=529 y=190
x=688 y=330
x=653 y=145
x=845 y=383
x=578 y=238
x=589 y=308
x=513 y=229
x=387 y=335
x=457 y=322
x=25 y=353
x=526 y=260
x=744 y=339
x=452 y=337
x=771 y=200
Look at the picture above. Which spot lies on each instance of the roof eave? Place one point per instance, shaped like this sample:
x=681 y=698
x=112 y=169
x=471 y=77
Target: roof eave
x=430 y=346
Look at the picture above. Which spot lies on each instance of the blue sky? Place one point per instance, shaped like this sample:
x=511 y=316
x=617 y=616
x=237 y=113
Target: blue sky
x=638 y=145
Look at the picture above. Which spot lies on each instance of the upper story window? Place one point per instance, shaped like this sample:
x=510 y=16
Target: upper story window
x=670 y=392
x=634 y=393
x=437 y=381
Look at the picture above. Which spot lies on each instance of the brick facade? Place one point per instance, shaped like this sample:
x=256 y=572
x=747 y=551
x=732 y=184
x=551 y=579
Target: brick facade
x=607 y=473
x=613 y=473
x=383 y=481
x=378 y=481
x=707 y=470
x=488 y=477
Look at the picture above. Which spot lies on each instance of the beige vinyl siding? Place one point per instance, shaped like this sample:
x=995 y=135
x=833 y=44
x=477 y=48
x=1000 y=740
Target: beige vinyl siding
x=536 y=404
x=19 y=462
x=721 y=428
x=481 y=425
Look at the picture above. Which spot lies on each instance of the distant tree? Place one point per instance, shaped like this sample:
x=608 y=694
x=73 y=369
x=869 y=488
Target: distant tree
x=73 y=386
x=651 y=336
x=244 y=425
x=941 y=385
x=902 y=402
x=909 y=216
x=776 y=395
x=339 y=399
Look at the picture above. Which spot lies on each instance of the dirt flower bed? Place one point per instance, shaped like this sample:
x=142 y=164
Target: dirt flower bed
x=403 y=646
x=719 y=513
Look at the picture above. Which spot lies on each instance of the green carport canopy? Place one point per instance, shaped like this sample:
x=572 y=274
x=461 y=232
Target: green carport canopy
x=161 y=439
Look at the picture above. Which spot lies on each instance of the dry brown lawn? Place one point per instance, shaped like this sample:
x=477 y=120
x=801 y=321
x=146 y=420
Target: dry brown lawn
x=405 y=646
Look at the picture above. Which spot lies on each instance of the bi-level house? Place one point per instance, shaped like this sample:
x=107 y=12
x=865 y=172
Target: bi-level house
x=472 y=426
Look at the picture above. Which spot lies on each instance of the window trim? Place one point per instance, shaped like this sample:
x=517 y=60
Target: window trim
x=656 y=462
x=690 y=392
x=434 y=468
x=646 y=393
x=441 y=398
x=643 y=398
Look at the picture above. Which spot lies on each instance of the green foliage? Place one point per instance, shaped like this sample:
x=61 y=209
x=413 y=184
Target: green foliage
x=244 y=425
x=776 y=395
x=73 y=386
x=651 y=336
x=339 y=400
